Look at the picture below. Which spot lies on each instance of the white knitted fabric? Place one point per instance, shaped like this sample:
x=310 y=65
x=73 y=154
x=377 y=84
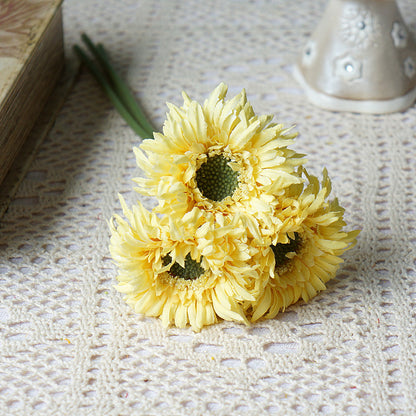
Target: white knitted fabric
x=71 y=346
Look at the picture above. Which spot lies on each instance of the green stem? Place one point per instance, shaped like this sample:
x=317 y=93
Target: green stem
x=126 y=93
x=118 y=104
x=120 y=87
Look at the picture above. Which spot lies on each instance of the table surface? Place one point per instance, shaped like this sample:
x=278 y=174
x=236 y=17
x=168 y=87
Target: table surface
x=71 y=346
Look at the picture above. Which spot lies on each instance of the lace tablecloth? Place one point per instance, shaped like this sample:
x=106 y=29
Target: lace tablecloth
x=71 y=346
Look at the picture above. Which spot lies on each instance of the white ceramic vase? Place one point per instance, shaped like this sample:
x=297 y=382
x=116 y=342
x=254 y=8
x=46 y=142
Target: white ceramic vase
x=361 y=58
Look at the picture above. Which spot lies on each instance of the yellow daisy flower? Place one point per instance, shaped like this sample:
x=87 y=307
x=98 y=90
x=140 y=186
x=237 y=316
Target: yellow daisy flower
x=219 y=158
x=192 y=270
x=306 y=249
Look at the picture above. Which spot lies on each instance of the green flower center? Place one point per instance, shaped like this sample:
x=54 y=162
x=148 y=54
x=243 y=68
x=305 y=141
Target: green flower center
x=191 y=271
x=216 y=179
x=280 y=250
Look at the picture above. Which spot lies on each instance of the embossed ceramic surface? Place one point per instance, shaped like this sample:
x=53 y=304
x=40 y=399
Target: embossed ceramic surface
x=361 y=57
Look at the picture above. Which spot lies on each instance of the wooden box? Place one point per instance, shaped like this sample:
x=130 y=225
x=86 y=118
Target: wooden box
x=31 y=61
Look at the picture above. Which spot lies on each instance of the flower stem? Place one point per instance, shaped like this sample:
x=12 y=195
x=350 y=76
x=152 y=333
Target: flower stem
x=123 y=90
x=115 y=88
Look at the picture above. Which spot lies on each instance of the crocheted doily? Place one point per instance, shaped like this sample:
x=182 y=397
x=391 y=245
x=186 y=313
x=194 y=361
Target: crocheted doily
x=71 y=346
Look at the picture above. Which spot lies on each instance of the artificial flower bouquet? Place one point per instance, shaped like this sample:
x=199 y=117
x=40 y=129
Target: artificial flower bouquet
x=241 y=229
